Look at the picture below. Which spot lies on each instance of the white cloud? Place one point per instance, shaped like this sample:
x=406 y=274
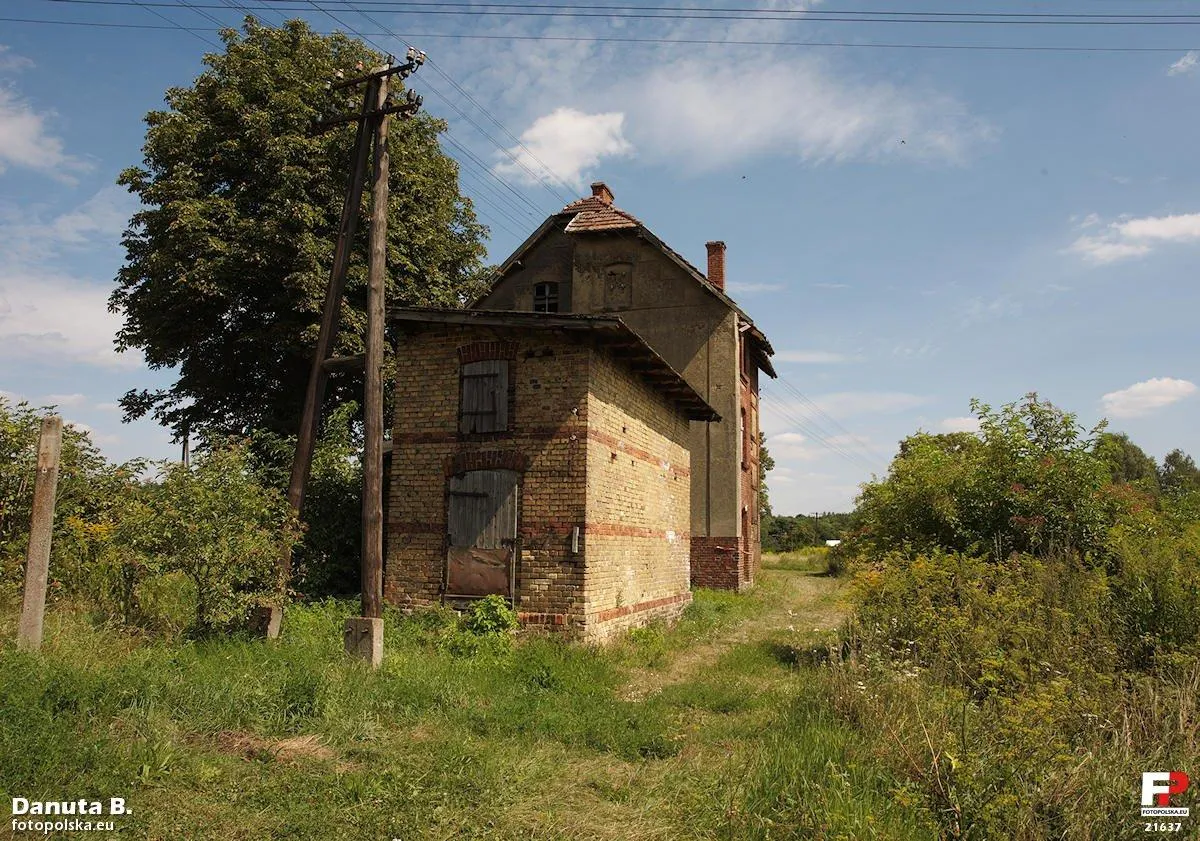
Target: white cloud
x=59 y=318
x=694 y=106
x=736 y=287
x=109 y=407
x=1146 y=397
x=10 y=63
x=831 y=286
x=1130 y=237
x=962 y=424
x=25 y=140
x=63 y=400
x=794 y=105
x=978 y=310
x=792 y=446
x=1187 y=63
x=814 y=357
x=849 y=403
x=567 y=143
x=914 y=350
x=1181 y=228
x=99 y=220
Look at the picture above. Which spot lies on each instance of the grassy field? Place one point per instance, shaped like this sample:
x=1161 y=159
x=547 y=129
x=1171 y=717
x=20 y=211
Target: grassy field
x=710 y=729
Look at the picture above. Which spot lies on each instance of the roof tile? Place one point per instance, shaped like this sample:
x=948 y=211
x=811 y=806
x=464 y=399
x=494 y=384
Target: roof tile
x=594 y=214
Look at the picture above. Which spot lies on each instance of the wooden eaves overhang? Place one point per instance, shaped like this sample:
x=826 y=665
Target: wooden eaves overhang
x=618 y=339
x=760 y=346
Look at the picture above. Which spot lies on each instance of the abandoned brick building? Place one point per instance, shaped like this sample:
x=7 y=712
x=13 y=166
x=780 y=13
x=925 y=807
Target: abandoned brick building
x=592 y=257
x=543 y=457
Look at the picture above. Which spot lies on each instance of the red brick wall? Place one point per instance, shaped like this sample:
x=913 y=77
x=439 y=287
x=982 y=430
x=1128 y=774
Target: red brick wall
x=749 y=532
x=715 y=562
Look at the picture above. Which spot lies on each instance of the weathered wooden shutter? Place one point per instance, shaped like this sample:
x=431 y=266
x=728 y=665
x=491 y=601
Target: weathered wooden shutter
x=482 y=521
x=484 y=405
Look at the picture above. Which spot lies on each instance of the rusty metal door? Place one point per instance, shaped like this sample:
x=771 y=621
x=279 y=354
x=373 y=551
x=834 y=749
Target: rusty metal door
x=482 y=521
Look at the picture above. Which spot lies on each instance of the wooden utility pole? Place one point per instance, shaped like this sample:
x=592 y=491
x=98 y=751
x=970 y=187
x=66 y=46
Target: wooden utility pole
x=374 y=109
x=372 y=502
x=363 y=635
x=318 y=375
x=41 y=529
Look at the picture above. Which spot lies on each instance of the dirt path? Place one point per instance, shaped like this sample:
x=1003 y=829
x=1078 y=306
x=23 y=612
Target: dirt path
x=792 y=600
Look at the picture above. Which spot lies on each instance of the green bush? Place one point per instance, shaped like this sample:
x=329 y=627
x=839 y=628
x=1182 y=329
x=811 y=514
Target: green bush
x=1029 y=482
x=215 y=525
x=89 y=489
x=1026 y=637
x=491 y=616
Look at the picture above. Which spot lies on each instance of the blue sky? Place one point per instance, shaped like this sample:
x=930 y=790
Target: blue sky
x=911 y=227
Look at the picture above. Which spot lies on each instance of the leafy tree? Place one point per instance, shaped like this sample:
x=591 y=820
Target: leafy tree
x=1031 y=483
x=228 y=260
x=88 y=489
x=1127 y=462
x=328 y=559
x=765 y=465
x=1179 y=473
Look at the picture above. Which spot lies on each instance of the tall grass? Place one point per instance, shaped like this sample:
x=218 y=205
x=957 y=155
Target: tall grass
x=235 y=737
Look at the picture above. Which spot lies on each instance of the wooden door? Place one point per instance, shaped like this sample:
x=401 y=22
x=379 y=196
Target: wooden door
x=482 y=521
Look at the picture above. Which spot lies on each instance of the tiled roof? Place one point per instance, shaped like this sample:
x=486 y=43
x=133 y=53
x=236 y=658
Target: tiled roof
x=595 y=214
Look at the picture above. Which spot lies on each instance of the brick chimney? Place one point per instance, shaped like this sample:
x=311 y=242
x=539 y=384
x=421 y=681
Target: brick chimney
x=716 y=264
x=600 y=190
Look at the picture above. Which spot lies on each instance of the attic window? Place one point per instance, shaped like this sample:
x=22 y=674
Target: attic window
x=545 y=297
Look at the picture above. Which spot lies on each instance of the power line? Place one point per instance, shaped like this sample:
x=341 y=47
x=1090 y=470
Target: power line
x=854 y=459
x=954 y=18
x=435 y=91
x=436 y=68
x=822 y=435
x=1061 y=48
x=816 y=409
x=416 y=5
x=178 y=25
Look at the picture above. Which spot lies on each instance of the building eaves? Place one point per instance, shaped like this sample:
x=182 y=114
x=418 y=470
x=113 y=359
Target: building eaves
x=620 y=341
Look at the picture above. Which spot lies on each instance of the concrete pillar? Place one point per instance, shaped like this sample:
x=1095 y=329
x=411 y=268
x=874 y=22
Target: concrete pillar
x=364 y=638
x=41 y=529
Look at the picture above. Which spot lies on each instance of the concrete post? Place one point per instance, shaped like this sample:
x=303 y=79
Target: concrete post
x=41 y=529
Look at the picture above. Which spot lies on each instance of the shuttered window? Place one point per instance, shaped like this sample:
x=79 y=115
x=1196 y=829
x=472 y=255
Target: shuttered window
x=484 y=406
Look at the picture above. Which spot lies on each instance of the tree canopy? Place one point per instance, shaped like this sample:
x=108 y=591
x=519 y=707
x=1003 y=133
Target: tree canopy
x=228 y=260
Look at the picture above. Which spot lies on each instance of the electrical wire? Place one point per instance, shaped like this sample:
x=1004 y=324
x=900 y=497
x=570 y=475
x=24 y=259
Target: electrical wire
x=871 y=453
x=1033 y=48
x=830 y=16
x=805 y=428
x=426 y=83
x=178 y=25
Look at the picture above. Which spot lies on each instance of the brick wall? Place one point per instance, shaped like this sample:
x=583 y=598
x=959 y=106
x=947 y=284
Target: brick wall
x=638 y=502
x=632 y=510
x=750 y=544
x=548 y=425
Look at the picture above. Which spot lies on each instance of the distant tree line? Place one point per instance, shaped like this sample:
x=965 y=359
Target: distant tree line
x=787 y=534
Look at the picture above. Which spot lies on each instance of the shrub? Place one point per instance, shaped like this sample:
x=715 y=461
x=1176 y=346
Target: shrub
x=89 y=488
x=214 y=524
x=491 y=616
x=1030 y=482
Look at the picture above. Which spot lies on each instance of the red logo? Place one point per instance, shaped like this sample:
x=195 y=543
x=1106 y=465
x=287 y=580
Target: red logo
x=1158 y=787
